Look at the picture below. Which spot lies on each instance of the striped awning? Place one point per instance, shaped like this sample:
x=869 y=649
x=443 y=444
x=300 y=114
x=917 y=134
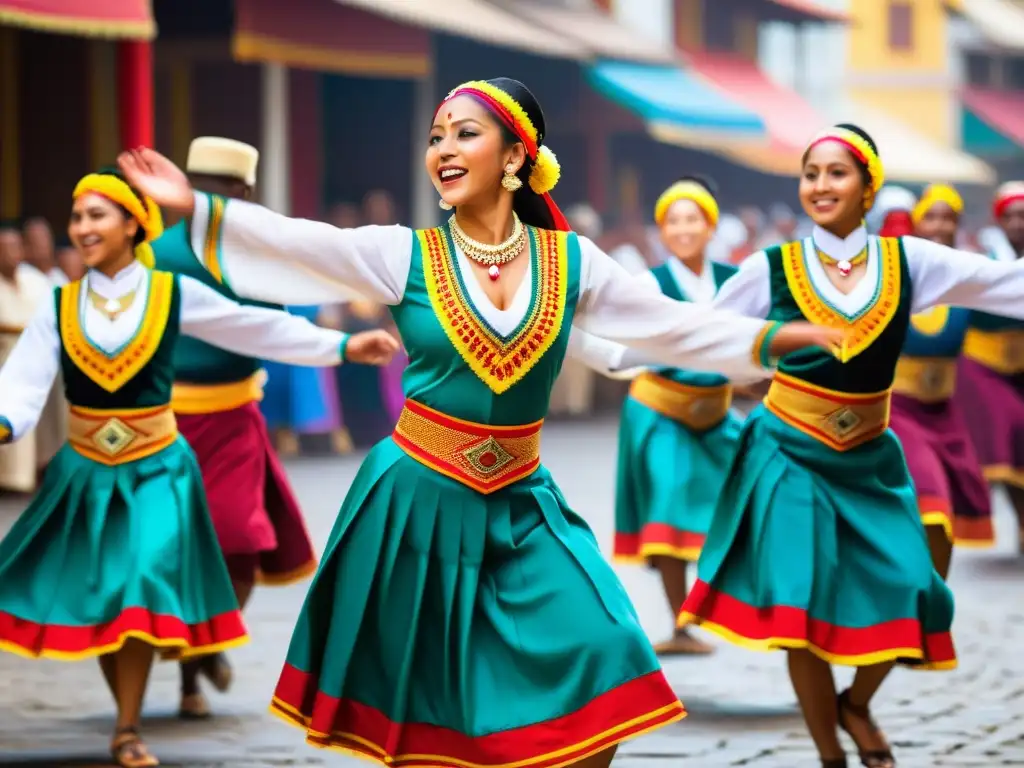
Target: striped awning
x=126 y=19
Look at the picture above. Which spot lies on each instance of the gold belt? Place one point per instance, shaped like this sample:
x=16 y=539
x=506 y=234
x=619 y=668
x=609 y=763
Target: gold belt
x=928 y=379
x=1002 y=351
x=699 y=408
x=213 y=398
x=118 y=436
x=482 y=457
x=840 y=420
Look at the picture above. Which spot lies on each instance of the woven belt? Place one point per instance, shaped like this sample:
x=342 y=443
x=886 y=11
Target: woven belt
x=214 y=398
x=927 y=379
x=119 y=436
x=483 y=457
x=699 y=408
x=1002 y=351
x=840 y=420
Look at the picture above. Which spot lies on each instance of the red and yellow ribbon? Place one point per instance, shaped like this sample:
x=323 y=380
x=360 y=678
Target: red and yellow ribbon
x=142 y=209
x=687 y=190
x=861 y=149
x=937 y=193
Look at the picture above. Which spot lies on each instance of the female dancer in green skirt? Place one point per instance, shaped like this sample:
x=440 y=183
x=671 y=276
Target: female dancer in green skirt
x=677 y=434
x=462 y=614
x=116 y=556
x=817 y=545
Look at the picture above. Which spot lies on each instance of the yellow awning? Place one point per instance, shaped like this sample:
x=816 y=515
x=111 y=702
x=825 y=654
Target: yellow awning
x=1000 y=21
x=595 y=30
x=478 y=20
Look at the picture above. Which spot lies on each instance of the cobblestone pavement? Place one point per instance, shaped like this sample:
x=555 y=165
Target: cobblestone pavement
x=742 y=710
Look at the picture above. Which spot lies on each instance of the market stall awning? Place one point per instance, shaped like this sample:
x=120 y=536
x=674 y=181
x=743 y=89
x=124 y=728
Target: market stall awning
x=132 y=19
x=808 y=10
x=908 y=156
x=595 y=30
x=675 y=106
x=328 y=36
x=1000 y=21
x=1002 y=111
x=478 y=20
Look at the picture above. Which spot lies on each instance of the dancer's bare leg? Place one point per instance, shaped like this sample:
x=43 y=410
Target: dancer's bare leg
x=674 y=581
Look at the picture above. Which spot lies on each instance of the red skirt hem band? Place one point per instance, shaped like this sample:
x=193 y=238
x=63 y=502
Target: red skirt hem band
x=633 y=708
x=783 y=627
x=961 y=530
x=170 y=634
x=658 y=539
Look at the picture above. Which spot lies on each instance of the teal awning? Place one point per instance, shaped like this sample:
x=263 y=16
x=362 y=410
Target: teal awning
x=668 y=96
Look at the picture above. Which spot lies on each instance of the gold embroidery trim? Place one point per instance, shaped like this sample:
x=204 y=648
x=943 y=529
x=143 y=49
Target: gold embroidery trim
x=699 y=408
x=927 y=379
x=840 y=420
x=211 y=245
x=863 y=330
x=214 y=398
x=112 y=373
x=1000 y=351
x=118 y=436
x=498 y=363
x=480 y=456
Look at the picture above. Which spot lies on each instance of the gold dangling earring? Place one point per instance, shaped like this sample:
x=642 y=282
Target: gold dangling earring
x=510 y=181
x=444 y=206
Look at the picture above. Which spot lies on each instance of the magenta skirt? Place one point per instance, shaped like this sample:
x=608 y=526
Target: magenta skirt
x=993 y=407
x=951 y=490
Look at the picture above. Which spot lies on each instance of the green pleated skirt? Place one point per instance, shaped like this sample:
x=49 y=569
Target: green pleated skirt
x=669 y=479
x=450 y=628
x=104 y=553
x=824 y=550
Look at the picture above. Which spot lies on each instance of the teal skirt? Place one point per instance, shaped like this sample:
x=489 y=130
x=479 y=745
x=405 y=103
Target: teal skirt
x=813 y=548
x=450 y=628
x=104 y=553
x=669 y=480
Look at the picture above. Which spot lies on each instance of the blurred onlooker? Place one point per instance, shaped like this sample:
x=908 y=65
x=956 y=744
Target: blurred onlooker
x=892 y=210
x=22 y=291
x=345 y=215
x=379 y=208
x=753 y=221
x=70 y=262
x=782 y=226
x=729 y=235
x=40 y=252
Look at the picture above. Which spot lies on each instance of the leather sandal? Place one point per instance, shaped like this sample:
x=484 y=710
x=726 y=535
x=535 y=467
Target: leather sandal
x=875 y=758
x=129 y=750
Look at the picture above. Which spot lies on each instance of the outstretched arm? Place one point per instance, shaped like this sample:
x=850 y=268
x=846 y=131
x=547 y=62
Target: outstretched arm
x=943 y=275
x=608 y=358
x=263 y=255
x=273 y=334
x=27 y=376
x=619 y=307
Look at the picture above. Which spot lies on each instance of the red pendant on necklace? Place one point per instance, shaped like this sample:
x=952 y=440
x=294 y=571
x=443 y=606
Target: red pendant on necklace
x=493 y=272
x=845 y=268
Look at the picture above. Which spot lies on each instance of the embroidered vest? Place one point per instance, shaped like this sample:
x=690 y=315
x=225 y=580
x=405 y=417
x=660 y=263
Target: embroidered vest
x=138 y=375
x=938 y=332
x=671 y=288
x=877 y=331
x=460 y=365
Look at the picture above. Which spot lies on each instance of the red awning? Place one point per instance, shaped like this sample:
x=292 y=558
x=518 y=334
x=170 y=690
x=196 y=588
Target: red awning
x=94 y=18
x=812 y=10
x=790 y=121
x=326 y=35
x=1002 y=110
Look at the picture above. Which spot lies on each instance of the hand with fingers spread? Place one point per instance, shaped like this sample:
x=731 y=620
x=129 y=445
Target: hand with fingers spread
x=371 y=348
x=792 y=337
x=158 y=178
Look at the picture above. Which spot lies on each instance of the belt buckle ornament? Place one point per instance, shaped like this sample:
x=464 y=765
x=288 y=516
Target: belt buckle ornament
x=1015 y=351
x=843 y=422
x=488 y=457
x=702 y=408
x=113 y=437
x=933 y=379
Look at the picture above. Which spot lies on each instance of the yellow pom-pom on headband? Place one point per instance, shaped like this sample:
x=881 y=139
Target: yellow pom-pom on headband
x=862 y=150
x=687 y=190
x=142 y=209
x=937 y=193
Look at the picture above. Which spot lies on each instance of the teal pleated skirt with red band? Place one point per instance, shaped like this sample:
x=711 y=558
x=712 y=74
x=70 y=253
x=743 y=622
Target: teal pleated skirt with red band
x=676 y=444
x=109 y=552
x=822 y=549
x=464 y=618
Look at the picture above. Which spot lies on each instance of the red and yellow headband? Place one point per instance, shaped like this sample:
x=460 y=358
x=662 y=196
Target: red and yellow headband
x=1010 y=192
x=687 y=190
x=937 y=193
x=143 y=210
x=860 y=149
x=546 y=170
